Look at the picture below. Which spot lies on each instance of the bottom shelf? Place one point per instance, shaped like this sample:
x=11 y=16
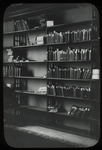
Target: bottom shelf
x=68 y=129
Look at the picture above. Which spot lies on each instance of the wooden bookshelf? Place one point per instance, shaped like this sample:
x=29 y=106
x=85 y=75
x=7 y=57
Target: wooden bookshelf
x=78 y=21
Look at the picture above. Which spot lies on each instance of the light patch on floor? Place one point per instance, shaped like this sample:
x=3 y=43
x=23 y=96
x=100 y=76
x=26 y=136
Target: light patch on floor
x=57 y=135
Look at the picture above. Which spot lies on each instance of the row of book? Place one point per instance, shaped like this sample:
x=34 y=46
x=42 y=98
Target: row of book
x=17 y=71
x=69 y=54
x=69 y=91
x=80 y=112
x=20 y=84
x=21 y=40
x=20 y=25
x=8 y=71
x=69 y=36
x=70 y=73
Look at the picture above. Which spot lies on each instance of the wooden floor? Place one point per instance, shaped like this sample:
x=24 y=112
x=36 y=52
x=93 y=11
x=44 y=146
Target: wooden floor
x=19 y=134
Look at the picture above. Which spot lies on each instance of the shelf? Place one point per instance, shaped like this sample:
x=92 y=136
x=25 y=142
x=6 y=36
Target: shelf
x=66 y=79
x=33 y=108
x=70 y=61
x=7 y=47
x=8 y=62
x=69 y=43
x=25 y=46
x=28 y=62
x=9 y=77
x=27 y=92
x=7 y=33
x=26 y=77
x=70 y=24
x=65 y=114
x=21 y=31
x=24 y=62
x=69 y=97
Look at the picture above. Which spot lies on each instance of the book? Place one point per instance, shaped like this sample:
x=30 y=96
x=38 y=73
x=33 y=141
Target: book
x=80 y=35
x=59 y=72
x=71 y=73
x=90 y=32
x=68 y=73
x=72 y=110
x=72 y=36
x=75 y=73
x=80 y=113
x=89 y=74
x=75 y=36
x=78 y=92
x=86 y=113
x=78 y=54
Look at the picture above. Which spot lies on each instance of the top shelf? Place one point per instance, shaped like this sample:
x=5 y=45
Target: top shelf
x=71 y=24
x=50 y=27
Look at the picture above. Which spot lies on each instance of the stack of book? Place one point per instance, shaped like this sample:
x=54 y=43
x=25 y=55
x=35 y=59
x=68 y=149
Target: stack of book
x=69 y=54
x=20 y=25
x=8 y=71
x=81 y=112
x=69 y=91
x=70 y=73
x=69 y=36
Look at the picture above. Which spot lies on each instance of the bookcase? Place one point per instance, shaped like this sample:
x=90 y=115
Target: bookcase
x=53 y=62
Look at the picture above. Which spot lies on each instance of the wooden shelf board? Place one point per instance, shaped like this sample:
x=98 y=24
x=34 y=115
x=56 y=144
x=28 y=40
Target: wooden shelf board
x=33 y=108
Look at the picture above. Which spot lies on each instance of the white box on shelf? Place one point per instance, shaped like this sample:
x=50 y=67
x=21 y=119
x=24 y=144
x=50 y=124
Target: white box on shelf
x=95 y=71
x=50 y=23
x=94 y=76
